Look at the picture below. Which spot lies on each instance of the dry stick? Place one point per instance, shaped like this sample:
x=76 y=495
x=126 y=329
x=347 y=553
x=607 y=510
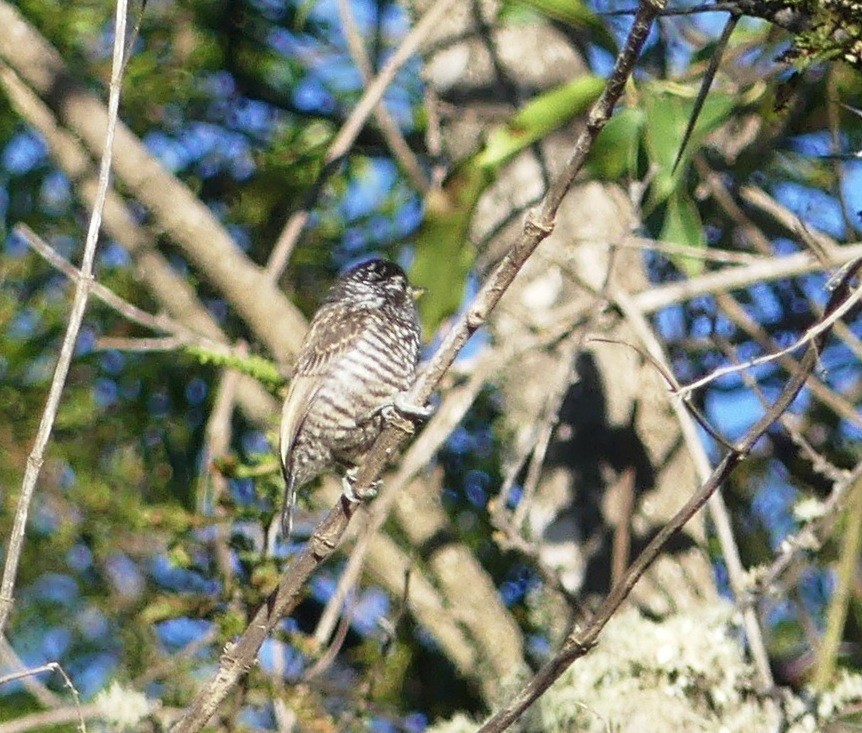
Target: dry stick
x=388 y=127
x=837 y=255
x=717 y=509
x=824 y=250
x=239 y=658
x=353 y=125
x=82 y=291
x=53 y=667
x=710 y=254
x=45 y=697
x=810 y=538
x=580 y=642
x=622 y=539
x=152 y=343
x=182 y=335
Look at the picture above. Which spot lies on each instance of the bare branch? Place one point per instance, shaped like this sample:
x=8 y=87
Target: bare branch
x=236 y=661
x=76 y=317
x=580 y=641
x=67 y=682
x=346 y=136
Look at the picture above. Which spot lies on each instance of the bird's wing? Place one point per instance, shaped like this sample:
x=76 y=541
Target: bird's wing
x=295 y=408
x=331 y=334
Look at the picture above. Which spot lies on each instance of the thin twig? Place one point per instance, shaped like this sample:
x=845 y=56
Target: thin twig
x=182 y=335
x=819 y=463
x=46 y=697
x=351 y=128
x=582 y=640
x=810 y=335
x=76 y=317
x=539 y=225
x=401 y=151
x=67 y=682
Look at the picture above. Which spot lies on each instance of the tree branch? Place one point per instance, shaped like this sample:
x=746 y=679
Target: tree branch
x=195 y=229
x=76 y=318
x=326 y=537
x=581 y=641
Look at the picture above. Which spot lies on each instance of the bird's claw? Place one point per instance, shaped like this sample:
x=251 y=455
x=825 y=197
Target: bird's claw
x=353 y=495
x=404 y=414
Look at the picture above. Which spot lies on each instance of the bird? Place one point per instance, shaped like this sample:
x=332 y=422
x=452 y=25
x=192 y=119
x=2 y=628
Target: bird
x=351 y=376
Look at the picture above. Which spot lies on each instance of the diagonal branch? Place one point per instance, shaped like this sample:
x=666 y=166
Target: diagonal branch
x=581 y=641
x=76 y=318
x=191 y=225
x=240 y=657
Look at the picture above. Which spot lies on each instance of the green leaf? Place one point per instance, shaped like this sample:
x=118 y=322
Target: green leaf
x=574 y=13
x=257 y=367
x=682 y=225
x=442 y=255
x=538 y=117
x=667 y=109
x=614 y=154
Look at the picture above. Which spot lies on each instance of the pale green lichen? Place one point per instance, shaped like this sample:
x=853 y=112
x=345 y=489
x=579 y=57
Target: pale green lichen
x=686 y=673
x=122 y=708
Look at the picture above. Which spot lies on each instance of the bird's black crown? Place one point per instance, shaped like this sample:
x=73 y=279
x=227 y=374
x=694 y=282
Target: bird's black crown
x=376 y=281
x=375 y=271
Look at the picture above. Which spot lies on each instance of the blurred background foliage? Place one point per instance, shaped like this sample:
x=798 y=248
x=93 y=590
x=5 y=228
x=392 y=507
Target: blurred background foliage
x=240 y=99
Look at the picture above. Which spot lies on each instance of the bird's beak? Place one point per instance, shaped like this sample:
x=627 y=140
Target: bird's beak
x=417 y=292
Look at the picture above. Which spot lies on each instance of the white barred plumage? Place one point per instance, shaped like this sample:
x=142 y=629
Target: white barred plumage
x=359 y=355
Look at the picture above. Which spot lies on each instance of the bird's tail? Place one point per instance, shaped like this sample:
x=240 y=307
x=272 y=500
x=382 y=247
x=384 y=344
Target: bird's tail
x=287 y=509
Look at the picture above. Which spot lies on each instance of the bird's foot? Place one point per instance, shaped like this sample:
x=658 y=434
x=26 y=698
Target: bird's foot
x=348 y=488
x=404 y=414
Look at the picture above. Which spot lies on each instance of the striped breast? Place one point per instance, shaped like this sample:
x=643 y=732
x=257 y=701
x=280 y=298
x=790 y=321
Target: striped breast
x=343 y=417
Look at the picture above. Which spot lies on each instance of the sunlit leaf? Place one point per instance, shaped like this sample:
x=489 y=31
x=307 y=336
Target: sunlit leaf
x=614 y=154
x=683 y=225
x=538 y=117
x=668 y=109
x=574 y=13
